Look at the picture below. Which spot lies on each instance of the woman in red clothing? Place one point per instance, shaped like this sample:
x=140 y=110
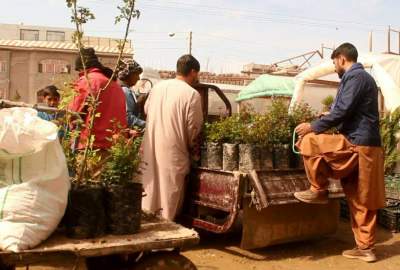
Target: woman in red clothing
x=111 y=104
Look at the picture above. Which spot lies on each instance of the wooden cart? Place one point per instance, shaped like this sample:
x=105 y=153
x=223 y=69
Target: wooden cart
x=157 y=243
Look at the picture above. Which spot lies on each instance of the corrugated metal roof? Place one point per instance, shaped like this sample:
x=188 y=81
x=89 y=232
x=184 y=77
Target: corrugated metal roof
x=53 y=45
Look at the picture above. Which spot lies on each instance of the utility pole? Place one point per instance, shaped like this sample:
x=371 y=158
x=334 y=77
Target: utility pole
x=190 y=42
x=370 y=41
x=322 y=50
x=388 y=39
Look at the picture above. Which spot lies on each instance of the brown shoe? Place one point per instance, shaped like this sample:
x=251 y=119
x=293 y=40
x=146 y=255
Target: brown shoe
x=366 y=255
x=309 y=196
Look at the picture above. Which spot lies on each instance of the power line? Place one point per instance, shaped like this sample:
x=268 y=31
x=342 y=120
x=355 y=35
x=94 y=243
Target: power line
x=254 y=15
x=185 y=5
x=259 y=19
x=271 y=13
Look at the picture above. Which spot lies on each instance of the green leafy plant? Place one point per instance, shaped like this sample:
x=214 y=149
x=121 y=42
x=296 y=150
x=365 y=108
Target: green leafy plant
x=212 y=132
x=232 y=129
x=301 y=113
x=390 y=130
x=124 y=161
x=280 y=132
x=327 y=102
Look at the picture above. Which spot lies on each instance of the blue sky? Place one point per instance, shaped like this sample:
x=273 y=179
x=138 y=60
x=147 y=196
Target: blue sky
x=226 y=34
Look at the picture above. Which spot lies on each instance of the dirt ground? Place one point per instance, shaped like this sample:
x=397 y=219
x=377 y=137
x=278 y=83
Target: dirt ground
x=223 y=252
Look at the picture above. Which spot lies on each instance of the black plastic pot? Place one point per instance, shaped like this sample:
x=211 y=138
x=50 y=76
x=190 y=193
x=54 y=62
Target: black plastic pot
x=266 y=158
x=230 y=157
x=85 y=215
x=124 y=208
x=214 y=156
x=249 y=157
x=282 y=156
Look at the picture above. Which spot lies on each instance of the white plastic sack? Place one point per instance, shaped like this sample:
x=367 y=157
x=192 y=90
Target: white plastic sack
x=34 y=181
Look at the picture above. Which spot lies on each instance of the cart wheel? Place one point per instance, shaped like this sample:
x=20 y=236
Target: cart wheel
x=164 y=261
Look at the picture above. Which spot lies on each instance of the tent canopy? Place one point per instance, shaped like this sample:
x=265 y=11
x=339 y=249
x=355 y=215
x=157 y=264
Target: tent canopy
x=385 y=68
x=266 y=86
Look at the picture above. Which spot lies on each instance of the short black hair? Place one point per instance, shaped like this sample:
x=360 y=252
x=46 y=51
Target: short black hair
x=348 y=50
x=186 y=64
x=51 y=90
x=40 y=93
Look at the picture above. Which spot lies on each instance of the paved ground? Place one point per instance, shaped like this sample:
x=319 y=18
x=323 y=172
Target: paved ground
x=222 y=252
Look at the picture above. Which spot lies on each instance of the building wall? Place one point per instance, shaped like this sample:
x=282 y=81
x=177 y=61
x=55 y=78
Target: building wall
x=23 y=77
x=19 y=75
x=4 y=73
x=13 y=32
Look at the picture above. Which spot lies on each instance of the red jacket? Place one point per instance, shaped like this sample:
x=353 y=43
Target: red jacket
x=111 y=109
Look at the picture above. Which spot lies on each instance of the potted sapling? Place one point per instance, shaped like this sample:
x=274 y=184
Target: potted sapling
x=263 y=129
x=249 y=150
x=85 y=215
x=123 y=190
x=214 y=137
x=280 y=134
x=231 y=127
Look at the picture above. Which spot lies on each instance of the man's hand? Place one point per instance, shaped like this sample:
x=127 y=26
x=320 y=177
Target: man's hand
x=303 y=129
x=323 y=114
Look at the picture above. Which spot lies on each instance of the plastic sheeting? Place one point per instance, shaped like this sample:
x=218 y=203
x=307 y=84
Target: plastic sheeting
x=266 y=86
x=385 y=68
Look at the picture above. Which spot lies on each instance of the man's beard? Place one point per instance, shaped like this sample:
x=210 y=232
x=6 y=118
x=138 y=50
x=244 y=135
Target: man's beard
x=194 y=81
x=340 y=73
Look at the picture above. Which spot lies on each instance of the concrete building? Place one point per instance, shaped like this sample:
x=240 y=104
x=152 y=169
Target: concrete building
x=45 y=33
x=34 y=57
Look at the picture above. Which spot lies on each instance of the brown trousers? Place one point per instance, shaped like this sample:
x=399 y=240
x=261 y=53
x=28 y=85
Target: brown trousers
x=360 y=169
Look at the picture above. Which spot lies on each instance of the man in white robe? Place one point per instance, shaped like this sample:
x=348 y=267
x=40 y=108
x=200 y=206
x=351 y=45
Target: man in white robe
x=174 y=121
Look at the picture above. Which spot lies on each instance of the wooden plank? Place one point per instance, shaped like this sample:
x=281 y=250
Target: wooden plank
x=152 y=236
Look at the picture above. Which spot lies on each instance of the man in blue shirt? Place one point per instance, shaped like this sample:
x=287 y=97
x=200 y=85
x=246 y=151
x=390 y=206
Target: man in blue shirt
x=354 y=155
x=129 y=75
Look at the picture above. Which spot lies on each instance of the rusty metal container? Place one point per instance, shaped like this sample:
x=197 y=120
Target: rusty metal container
x=270 y=213
x=215 y=200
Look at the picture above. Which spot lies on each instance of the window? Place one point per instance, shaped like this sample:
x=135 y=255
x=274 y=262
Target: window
x=29 y=34
x=3 y=66
x=54 y=67
x=55 y=36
